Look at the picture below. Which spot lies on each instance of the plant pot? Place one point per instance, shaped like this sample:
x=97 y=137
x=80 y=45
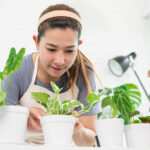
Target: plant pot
x=13 y=124
x=58 y=129
x=138 y=135
x=110 y=132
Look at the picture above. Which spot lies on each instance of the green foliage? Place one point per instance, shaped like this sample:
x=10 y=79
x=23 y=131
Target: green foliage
x=12 y=64
x=145 y=119
x=136 y=121
x=122 y=101
x=54 y=106
x=140 y=118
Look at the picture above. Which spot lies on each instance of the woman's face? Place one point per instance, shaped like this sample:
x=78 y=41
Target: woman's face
x=58 y=51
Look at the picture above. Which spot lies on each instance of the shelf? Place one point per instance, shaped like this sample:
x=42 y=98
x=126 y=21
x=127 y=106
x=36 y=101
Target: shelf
x=54 y=147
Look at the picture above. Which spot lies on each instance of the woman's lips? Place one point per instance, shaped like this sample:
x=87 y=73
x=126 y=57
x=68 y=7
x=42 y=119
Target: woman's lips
x=57 y=69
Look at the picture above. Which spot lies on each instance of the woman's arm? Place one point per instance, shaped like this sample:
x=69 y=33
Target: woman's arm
x=84 y=131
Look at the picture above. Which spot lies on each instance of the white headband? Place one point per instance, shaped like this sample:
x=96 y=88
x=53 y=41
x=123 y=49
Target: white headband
x=59 y=13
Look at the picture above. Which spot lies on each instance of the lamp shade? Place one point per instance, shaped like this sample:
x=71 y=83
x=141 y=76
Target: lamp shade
x=120 y=64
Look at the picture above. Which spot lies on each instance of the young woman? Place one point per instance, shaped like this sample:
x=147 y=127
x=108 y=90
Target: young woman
x=58 y=59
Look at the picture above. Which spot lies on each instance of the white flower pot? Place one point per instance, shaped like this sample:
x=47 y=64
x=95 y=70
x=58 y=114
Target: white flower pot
x=110 y=132
x=58 y=129
x=138 y=135
x=13 y=124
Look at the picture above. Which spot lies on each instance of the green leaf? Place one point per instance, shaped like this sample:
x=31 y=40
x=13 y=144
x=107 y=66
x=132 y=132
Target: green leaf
x=115 y=109
x=41 y=97
x=137 y=93
x=145 y=119
x=99 y=115
x=100 y=90
x=86 y=109
x=1 y=76
x=132 y=92
x=107 y=101
x=127 y=87
x=55 y=106
x=137 y=99
x=107 y=91
x=14 y=61
x=2 y=98
x=74 y=103
x=134 y=102
x=9 y=63
x=55 y=88
x=66 y=101
x=136 y=121
x=136 y=112
x=93 y=98
x=123 y=104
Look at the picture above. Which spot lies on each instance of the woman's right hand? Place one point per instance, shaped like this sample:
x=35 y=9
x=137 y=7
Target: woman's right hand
x=35 y=114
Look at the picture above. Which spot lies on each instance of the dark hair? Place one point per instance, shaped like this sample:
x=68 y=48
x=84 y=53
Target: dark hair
x=59 y=22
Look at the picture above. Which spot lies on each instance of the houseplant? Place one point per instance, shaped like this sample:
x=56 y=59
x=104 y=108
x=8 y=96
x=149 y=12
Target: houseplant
x=58 y=124
x=137 y=132
x=13 y=119
x=117 y=104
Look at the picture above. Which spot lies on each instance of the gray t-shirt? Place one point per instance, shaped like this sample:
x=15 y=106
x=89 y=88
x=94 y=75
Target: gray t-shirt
x=21 y=80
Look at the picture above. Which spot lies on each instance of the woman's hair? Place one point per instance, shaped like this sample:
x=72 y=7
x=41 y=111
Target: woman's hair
x=82 y=63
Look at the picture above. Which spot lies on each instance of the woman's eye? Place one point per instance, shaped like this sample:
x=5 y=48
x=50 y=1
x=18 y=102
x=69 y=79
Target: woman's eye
x=69 y=51
x=50 y=49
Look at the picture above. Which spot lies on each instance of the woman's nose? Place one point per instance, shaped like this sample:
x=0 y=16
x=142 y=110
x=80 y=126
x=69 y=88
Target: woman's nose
x=59 y=58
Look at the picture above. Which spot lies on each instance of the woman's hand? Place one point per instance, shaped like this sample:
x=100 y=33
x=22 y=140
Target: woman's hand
x=35 y=114
x=77 y=125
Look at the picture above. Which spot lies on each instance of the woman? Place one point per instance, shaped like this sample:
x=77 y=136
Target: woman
x=58 y=59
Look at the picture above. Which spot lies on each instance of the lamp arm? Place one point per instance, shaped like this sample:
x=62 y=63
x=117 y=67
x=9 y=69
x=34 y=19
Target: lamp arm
x=141 y=83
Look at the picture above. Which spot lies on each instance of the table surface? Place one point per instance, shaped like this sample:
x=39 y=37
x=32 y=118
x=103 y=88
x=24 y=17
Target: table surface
x=56 y=147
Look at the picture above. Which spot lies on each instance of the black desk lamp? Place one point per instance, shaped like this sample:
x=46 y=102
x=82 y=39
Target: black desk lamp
x=120 y=64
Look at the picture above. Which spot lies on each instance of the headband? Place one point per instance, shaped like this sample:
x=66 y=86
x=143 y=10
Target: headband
x=59 y=13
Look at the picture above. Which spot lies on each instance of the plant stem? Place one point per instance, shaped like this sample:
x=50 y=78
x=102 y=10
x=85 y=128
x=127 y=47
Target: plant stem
x=1 y=85
x=9 y=83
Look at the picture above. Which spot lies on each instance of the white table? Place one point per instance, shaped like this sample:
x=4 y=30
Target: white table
x=53 y=147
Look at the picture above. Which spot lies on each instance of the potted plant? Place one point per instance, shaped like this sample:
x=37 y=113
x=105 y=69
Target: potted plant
x=58 y=125
x=13 y=119
x=117 y=106
x=137 y=132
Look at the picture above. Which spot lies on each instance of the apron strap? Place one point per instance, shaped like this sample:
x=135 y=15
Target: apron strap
x=35 y=70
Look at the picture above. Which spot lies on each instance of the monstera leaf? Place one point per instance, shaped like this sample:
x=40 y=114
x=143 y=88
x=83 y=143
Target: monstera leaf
x=132 y=92
x=123 y=100
x=123 y=104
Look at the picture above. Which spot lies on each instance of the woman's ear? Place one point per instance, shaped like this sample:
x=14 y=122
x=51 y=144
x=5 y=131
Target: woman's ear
x=35 y=40
x=80 y=42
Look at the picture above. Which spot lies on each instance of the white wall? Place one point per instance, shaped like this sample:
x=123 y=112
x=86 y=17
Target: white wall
x=110 y=28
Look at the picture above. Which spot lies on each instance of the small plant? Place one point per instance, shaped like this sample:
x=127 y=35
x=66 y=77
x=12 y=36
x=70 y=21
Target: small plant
x=12 y=64
x=122 y=101
x=139 y=118
x=54 y=106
